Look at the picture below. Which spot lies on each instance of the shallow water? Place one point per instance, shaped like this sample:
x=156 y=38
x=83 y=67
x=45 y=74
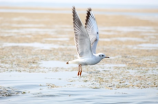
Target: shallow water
x=129 y=29
x=36 y=86
x=90 y=96
x=56 y=64
x=28 y=30
x=148 y=46
x=121 y=39
x=61 y=39
x=37 y=45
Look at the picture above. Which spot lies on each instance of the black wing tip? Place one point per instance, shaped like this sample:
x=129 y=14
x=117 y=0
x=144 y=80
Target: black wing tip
x=88 y=15
x=73 y=11
x=73 y=7
x=73 y=16
x=89 y=9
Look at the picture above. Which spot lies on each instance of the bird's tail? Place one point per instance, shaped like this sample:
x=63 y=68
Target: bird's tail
x=72 y=62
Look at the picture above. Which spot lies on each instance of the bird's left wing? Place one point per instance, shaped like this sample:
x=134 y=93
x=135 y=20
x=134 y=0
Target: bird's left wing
x=82 y=40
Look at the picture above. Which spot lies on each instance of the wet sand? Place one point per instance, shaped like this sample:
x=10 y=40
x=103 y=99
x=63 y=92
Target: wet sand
x=34 y=48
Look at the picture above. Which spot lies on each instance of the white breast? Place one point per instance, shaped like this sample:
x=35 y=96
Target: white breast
x=90 y=61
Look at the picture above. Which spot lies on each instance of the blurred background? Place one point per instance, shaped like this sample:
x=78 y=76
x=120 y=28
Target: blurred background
x=37 y=39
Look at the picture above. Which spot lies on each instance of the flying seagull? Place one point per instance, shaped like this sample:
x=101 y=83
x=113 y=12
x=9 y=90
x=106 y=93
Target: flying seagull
x=86 y=39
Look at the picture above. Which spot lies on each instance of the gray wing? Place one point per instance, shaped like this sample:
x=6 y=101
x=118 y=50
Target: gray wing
x=82 y=40
x=92 y=29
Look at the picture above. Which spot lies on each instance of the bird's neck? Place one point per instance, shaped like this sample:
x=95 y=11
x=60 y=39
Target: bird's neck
x=97 y=57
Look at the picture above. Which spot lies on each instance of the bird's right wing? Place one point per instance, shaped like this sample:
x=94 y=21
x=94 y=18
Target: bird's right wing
x=92 y=29
x=82 y=40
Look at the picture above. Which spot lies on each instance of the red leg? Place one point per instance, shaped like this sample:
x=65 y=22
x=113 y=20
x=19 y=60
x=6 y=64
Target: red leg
x=80 y=70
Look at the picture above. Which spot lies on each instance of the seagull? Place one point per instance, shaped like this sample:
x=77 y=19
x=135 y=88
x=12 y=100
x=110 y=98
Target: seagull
x=86 y=39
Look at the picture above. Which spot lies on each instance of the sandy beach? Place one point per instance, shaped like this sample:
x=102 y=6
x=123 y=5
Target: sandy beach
x=36 y=43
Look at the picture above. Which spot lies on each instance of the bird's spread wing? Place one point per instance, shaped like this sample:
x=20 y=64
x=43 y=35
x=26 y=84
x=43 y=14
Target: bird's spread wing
x=82 y=40
x=92 y=29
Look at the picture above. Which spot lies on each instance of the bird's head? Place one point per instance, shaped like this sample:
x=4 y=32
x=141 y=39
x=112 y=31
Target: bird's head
x=102 y=55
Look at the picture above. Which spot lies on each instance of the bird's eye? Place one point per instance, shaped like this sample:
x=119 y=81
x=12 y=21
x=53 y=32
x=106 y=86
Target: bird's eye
x=102 y=55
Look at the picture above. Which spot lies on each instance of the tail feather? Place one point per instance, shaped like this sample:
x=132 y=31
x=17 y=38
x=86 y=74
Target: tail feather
x=72 y=62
